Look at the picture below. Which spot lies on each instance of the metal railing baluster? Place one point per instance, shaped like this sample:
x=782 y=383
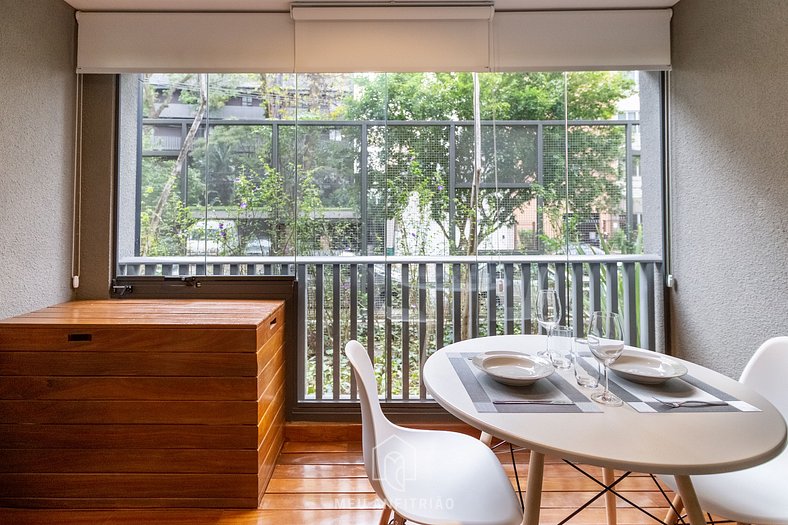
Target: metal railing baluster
x=560 y=286
x=647 y=314
x=388 y=338
x=492 y=310
x=456 y=302
x=542 y=283
x=578 y=317
x=303 y=325
x=405 y=338
x=353 y=321
x=439 y=296
x=336 y=369
x=630 y=306
x=508 y=298
x=319 y=339
x=371 y=312
x=525 y=297
x=611 y=282
x=473 y=307
x=422 y=326
x=594 y=288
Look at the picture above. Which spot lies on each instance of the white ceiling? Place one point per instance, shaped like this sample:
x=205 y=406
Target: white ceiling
x=284 y=5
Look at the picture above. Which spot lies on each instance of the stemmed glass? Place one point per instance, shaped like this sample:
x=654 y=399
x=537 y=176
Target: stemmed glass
x=548 y=313
x=606 y=342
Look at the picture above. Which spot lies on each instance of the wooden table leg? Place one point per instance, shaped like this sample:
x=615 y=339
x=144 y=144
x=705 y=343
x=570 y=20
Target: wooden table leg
x=690 y=499
x=533 y=490
x=385 y=516
x=609 y=476
x=672 y=517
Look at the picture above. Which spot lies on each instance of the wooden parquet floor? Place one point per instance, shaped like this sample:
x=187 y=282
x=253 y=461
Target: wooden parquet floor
x=323 y=483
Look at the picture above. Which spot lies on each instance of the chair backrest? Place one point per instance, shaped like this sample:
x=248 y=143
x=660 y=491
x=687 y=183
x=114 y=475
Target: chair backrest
x=375 y=427
x=767 y=370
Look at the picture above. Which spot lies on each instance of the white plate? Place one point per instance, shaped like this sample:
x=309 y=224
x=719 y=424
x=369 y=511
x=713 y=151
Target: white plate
x=646 y=369
x=513 y=368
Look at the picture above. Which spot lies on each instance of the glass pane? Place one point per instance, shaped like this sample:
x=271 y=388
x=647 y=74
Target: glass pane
x=365 y=186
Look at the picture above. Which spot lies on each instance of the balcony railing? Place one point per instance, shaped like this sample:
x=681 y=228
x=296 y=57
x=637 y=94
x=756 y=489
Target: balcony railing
x=404 y=308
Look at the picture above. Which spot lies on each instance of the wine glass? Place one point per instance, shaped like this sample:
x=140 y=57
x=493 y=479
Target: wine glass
x=548 y=313
x=606 y=342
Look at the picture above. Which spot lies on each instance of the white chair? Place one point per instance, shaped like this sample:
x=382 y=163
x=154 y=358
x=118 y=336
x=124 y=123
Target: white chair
x=757 y=495
x=429 y=477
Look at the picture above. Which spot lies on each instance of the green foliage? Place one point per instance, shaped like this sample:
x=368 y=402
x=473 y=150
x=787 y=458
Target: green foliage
x=413 y=155
x=171 y=236
x=403 y=160
x=173 y=232
x=622 y=242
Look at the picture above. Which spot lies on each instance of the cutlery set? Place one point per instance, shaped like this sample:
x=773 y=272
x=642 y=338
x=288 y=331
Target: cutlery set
x=690 y=403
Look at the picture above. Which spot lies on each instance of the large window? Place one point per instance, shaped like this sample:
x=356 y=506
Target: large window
x=287 y=165
x=415 y=208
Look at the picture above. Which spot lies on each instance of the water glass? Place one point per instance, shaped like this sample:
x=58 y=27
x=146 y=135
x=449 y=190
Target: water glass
x=548 y=313
x=606 y=342
x=585 y=377
x=560 y=346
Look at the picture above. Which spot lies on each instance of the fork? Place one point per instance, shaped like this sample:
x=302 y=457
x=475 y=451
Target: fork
x=690 y=403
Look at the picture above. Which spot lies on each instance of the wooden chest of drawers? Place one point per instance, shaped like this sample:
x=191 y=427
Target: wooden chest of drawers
x=141 y=403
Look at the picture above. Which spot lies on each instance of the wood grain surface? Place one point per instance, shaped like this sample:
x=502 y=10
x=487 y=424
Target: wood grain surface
x=141 y=404
x=342 y=495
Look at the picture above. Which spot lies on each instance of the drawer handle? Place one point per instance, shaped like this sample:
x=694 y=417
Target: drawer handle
x=273 y=323
x=80 y=337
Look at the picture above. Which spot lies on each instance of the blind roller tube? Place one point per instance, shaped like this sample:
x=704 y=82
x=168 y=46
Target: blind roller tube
x=391 y=13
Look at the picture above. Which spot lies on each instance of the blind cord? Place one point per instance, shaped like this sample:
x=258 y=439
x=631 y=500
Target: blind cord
x=76 y=215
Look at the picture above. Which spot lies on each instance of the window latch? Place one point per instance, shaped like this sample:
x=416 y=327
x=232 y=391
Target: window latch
x=186 y=280
x=121 y=289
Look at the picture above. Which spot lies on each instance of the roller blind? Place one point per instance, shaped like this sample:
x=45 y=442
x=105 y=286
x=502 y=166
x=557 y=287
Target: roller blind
x=185 y=42
x=582 y=40
x=353 y=41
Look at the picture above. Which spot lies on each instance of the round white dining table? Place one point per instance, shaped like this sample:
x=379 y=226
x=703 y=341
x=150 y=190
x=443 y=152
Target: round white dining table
x=674 y=443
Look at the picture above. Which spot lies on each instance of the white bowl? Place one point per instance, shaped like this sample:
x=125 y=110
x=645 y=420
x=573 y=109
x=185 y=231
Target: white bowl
x=512 y=368
x=647 y=369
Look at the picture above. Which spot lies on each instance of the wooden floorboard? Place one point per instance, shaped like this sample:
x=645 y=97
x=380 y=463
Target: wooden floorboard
x=324 y=483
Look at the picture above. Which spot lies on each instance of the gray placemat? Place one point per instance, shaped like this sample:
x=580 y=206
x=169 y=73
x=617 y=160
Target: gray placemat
x=484 y=391
x=641 y=397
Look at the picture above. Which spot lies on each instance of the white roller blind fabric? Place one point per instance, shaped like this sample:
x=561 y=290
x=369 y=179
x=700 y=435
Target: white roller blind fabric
x=185 y=42
x=354 y=40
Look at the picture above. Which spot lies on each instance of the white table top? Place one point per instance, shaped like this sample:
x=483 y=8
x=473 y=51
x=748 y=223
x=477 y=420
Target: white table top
x=620 y=437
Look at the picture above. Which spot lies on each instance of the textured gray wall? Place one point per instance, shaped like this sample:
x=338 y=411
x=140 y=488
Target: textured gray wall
x=730 y=180
x=37 y=85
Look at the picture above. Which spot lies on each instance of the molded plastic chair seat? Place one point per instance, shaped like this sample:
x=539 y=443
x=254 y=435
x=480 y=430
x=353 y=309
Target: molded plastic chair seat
x=758 y=495
x=429 y=477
